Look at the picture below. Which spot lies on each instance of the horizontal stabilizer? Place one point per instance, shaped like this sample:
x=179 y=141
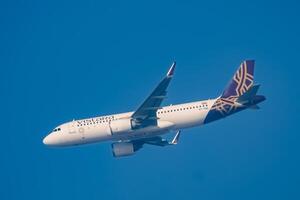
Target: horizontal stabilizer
x=254 y=107
x=248 y=95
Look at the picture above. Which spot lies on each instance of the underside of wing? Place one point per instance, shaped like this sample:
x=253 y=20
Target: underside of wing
x=158 y=140
x=127 y=148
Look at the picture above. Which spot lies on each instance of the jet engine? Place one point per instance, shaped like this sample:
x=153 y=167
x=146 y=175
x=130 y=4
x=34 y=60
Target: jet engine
x=120 y=149
x=120 y=126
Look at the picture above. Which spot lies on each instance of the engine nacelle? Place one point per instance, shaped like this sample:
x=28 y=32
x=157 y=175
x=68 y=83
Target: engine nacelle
x=120 y=149
x=120 y=126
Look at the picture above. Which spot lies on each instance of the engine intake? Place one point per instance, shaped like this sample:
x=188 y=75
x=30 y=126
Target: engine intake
x=120 y=149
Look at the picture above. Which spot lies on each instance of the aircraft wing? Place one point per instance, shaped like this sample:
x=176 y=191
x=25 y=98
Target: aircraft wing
x=146 y=114
x=157 y=141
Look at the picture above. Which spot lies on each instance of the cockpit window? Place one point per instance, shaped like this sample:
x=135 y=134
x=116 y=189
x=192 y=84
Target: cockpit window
x=57 y=129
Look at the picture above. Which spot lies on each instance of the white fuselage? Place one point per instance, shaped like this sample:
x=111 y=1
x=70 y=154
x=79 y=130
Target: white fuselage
x=173 y=117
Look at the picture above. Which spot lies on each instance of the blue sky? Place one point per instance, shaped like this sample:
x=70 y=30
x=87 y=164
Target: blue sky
x=64 y=60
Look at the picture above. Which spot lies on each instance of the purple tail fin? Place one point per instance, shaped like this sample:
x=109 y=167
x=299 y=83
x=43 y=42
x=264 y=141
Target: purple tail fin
x=241 y=81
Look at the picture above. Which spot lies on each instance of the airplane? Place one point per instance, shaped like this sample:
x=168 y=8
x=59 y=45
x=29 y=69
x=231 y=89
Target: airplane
x=130 y=131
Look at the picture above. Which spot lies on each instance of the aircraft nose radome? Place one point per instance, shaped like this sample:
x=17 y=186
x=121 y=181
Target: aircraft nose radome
x=46 y=140
x=49 y=140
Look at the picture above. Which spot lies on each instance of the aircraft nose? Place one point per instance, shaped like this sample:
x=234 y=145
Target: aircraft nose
x=50 y=140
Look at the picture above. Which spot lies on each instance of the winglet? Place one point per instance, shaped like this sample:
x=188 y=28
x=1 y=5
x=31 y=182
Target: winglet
x=171 y=70
x=176 y=138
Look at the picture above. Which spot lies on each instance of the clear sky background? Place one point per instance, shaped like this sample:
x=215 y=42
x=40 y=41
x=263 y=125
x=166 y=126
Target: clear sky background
x=64 y=60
